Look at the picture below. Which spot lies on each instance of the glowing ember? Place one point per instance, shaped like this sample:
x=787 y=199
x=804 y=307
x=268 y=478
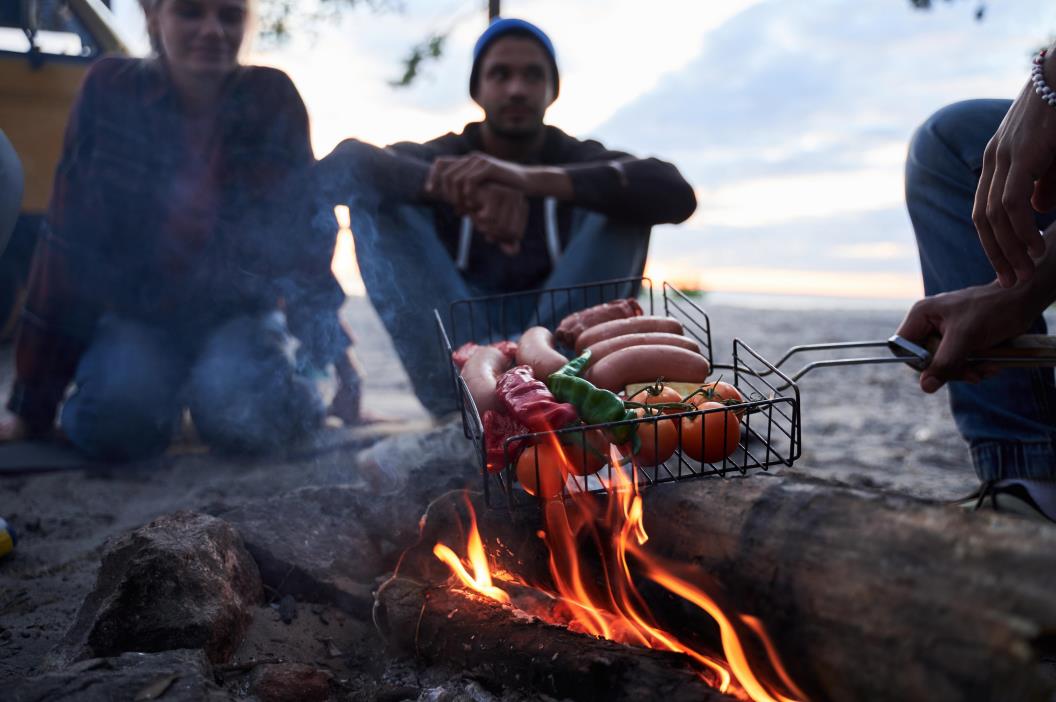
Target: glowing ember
x=614 y=609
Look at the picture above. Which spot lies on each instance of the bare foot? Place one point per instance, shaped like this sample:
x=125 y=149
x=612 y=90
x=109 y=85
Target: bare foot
x=347 y=406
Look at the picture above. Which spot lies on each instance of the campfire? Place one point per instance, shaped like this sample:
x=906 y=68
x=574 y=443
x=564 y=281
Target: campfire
x=599 y=596
x=633 y=582
x=592 y=522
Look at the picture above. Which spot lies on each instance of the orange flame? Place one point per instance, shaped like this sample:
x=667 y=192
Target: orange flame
x=480 y=581
x=608 y=604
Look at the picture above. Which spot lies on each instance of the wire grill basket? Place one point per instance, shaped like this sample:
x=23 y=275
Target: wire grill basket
x=769 y=418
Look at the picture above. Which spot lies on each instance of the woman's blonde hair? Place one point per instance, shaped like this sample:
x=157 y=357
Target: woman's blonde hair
x=149 y=7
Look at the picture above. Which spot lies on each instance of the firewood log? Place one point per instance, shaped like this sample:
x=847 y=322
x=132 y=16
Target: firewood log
x=447 y=626
x=873 y=596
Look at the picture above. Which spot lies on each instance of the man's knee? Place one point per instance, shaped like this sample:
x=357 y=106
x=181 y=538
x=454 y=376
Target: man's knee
x=931 y=138
x=953 y=138
x=11 y=184
x=350 y=172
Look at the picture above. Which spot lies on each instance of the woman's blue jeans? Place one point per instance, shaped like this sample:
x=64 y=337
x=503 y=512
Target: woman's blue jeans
x=238 y=379
x=1009 y=420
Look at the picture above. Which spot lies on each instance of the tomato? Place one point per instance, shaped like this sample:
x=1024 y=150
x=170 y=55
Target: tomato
x=721 y=432
x=666 y=394
x=552 y=470
x=659 y=440
x=586 y=462
x=718 y=392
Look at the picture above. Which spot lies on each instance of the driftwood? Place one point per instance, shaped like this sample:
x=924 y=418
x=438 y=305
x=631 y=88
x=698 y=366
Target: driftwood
x=872 y=596
x=488 y=641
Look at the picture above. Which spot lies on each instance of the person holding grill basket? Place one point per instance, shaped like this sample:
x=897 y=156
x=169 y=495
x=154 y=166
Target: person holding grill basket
x=509 y=204
x=981 y=193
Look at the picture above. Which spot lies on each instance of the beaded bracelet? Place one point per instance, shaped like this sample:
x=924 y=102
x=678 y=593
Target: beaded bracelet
x=1037 y=77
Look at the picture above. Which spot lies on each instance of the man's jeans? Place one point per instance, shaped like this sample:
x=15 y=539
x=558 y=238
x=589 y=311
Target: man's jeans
x=238 y=380
x=11 y=184
x=407 y=273
x=1009 y=420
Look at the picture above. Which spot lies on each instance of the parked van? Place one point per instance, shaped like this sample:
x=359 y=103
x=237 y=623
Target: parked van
x=46 y=47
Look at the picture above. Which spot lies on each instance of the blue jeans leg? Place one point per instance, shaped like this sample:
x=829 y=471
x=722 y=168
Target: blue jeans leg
x=1009 y=421
x=598 y=250
x=126 y=404
x=244 y=393
x=407 y=273
x=11 y=184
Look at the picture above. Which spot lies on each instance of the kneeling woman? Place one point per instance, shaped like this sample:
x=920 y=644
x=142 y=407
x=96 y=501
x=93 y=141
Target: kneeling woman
x=161 y=278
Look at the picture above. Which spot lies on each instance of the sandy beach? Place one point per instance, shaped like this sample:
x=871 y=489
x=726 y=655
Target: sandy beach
x=863 y=426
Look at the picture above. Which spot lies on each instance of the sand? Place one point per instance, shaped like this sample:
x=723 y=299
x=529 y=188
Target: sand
x=866 y=426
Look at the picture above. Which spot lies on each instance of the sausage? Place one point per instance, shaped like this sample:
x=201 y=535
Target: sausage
x=602 y=349
x=536 y=349
x=574 y=324
x=481 y=373
x=464 y=352
x=619 y=327
x=644 y=364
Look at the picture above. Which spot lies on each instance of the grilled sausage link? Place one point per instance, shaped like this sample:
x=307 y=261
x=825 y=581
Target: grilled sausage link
x=620 y=327
x=644 y=364
x=536 y=349
x=481 y=373
x=574 y=324
x=603 y=348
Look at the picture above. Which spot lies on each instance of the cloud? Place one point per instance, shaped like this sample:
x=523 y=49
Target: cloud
x=769 y=200
x=779 y=70
x=793 y=122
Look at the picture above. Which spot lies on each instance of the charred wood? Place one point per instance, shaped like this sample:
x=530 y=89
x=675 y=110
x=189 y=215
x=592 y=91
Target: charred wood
x=493 y=643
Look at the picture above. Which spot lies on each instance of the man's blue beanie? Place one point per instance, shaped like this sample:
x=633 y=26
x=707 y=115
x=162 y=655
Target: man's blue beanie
x=502 y=26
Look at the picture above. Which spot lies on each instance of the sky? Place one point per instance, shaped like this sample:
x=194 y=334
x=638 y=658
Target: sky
x=790 y=118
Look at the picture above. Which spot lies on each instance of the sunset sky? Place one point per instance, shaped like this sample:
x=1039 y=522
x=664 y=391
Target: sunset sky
x=791 y=119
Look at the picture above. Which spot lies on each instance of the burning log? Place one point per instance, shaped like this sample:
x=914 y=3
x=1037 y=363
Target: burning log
x=446 y=626
x=578 y=569
x=864 y=595
x=872 y=596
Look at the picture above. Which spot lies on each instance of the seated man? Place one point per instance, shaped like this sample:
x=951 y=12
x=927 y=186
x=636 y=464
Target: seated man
x=510 y=204
x=974 y=171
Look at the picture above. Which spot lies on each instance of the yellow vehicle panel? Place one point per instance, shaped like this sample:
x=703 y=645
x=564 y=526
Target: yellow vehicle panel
x=37 y=92
x=33 y=114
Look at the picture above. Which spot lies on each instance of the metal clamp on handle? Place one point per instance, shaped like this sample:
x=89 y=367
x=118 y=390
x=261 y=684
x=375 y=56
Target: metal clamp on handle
x=915 y=356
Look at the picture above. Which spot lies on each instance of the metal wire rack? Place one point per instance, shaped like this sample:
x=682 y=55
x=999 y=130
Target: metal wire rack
x=768 y=421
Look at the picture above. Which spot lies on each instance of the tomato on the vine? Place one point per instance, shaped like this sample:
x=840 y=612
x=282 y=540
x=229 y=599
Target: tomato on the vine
x=718 y=391
x=658 y=439
x=711 y=437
